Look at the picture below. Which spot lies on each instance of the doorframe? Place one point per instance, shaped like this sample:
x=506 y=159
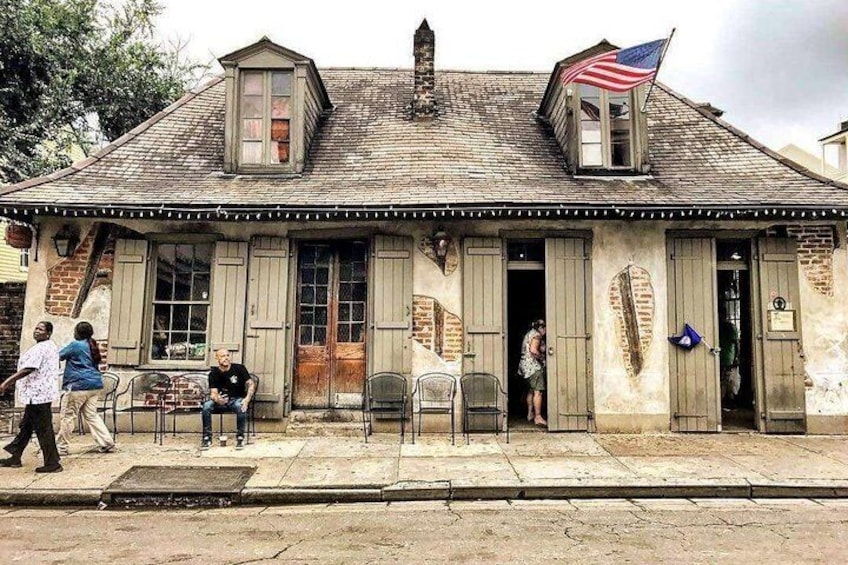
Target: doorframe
x=755 y=310
x=296 y=238
x=507 y=235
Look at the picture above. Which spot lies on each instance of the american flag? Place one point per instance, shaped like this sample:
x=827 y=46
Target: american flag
x=618 y=70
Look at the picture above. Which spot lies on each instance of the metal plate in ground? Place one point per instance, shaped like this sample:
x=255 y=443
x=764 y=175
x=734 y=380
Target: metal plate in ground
x=143 y=479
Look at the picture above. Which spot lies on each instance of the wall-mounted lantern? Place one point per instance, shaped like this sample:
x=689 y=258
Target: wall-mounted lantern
x=440 y=248
x=65 y=241
x=441 y=243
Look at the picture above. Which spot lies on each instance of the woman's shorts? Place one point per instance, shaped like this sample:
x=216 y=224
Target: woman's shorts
x=537 y=381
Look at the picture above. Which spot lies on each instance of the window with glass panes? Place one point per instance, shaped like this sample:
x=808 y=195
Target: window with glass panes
x=180 y=313
x=352 y=293
x=265 y=112
x=313 y=290
x=606 y=128
x=332 y=292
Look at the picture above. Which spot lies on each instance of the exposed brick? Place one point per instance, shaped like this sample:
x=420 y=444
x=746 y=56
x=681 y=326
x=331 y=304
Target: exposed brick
x=815 y=255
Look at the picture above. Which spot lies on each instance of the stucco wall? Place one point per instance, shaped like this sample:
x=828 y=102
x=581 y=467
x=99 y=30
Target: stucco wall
x=615 y=246
x=617 y=393
x=824 y=323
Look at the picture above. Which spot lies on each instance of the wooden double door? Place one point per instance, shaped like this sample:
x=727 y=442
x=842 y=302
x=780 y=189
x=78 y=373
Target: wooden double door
x=777 y=364
x=568 y=316
x=330 y=361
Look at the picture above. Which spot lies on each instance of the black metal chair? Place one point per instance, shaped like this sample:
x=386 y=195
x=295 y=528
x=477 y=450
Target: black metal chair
x=147 y=392
x=251 y=413
x=188 y=393
x=435 y=393
x=384 y=395
x=107 y=400
x=483 y=395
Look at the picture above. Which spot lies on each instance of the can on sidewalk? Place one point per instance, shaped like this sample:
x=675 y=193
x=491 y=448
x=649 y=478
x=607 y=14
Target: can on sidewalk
x=223 y=441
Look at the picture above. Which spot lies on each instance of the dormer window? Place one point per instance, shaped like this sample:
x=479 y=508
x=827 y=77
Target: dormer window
x=605 y=128
x=266 y=112
x=275 y=103
x=601 y=132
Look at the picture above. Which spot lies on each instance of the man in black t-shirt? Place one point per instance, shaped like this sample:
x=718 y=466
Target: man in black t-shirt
x=231 y=390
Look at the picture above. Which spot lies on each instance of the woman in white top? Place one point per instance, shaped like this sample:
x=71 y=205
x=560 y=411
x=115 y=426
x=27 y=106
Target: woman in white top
x=532 y=368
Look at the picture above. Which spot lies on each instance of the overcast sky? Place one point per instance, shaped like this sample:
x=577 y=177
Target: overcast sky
x=778 y=68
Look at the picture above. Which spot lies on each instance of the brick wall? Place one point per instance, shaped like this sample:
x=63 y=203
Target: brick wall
x=631 y=297
x=12 y=295
x=65 y=278
x=815 y=254
x=435 y=328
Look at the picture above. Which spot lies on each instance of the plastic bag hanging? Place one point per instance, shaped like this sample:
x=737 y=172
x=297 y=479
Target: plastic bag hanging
x=688 y=339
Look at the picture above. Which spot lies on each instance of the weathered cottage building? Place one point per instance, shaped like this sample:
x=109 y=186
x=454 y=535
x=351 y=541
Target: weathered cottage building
x=327 y=224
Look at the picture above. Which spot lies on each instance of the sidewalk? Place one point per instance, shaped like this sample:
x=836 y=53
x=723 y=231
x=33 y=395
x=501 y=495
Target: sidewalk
x=291 y=469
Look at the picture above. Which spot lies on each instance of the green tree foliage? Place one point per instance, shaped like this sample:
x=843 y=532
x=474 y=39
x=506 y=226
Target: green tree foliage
x=75 y=71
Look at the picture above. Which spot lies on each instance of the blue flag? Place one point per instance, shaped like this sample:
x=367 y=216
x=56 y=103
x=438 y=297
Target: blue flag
x=688 y=339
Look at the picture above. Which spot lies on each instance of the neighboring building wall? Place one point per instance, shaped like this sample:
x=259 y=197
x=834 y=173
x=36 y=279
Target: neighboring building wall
x=627 y=396
x=11 y=316
x=10 y=261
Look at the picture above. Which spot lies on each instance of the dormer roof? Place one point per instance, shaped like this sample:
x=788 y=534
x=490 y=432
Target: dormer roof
x=252 y=55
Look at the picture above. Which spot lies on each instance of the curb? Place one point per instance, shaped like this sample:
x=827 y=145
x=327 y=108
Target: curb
x=410 y=491
x=50 y=497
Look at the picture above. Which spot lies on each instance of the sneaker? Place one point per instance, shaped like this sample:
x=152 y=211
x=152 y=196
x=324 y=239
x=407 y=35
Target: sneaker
x=107 y=448
x=205 y=443
x=49 y=469
x=10 y=462
x=239 y=443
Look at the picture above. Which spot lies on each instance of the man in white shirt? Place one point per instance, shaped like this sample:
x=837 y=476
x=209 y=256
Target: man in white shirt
x=38 y=375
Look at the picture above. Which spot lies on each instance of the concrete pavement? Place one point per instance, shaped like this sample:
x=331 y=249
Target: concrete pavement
x=306 y=469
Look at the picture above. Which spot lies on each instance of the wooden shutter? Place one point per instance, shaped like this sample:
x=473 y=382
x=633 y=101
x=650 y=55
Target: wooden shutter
x=482 y=300
x=567 y=318
x=391 y=305
x=126 y=315
x=783 y=369
x=229 y=293
x=693 y=374
x=265 y=350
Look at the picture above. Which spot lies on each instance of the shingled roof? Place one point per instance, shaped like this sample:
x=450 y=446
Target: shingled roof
x=487 y=152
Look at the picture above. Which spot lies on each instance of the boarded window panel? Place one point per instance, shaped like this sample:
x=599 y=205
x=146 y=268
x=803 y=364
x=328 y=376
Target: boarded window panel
x=251 y=107
x=251 y=129
x=280 y=130
x=251 y=152
x=281 y=84
x=252 y=83
x=282 y=151
x=281 y=107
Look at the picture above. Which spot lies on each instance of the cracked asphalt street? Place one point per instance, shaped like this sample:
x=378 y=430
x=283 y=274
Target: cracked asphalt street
x=601 y=531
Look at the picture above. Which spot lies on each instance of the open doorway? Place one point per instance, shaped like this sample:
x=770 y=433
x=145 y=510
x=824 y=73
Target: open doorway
x=735 y=335
x=525 y=303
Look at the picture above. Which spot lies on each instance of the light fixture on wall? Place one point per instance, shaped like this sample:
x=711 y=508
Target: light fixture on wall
x=65 y=241
x=441 y=243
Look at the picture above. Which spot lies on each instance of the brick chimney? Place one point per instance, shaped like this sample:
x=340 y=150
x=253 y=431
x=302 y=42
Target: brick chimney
x=424 y=50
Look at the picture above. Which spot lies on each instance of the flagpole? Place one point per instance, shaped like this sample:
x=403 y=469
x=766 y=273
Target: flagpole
x=659 y=64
